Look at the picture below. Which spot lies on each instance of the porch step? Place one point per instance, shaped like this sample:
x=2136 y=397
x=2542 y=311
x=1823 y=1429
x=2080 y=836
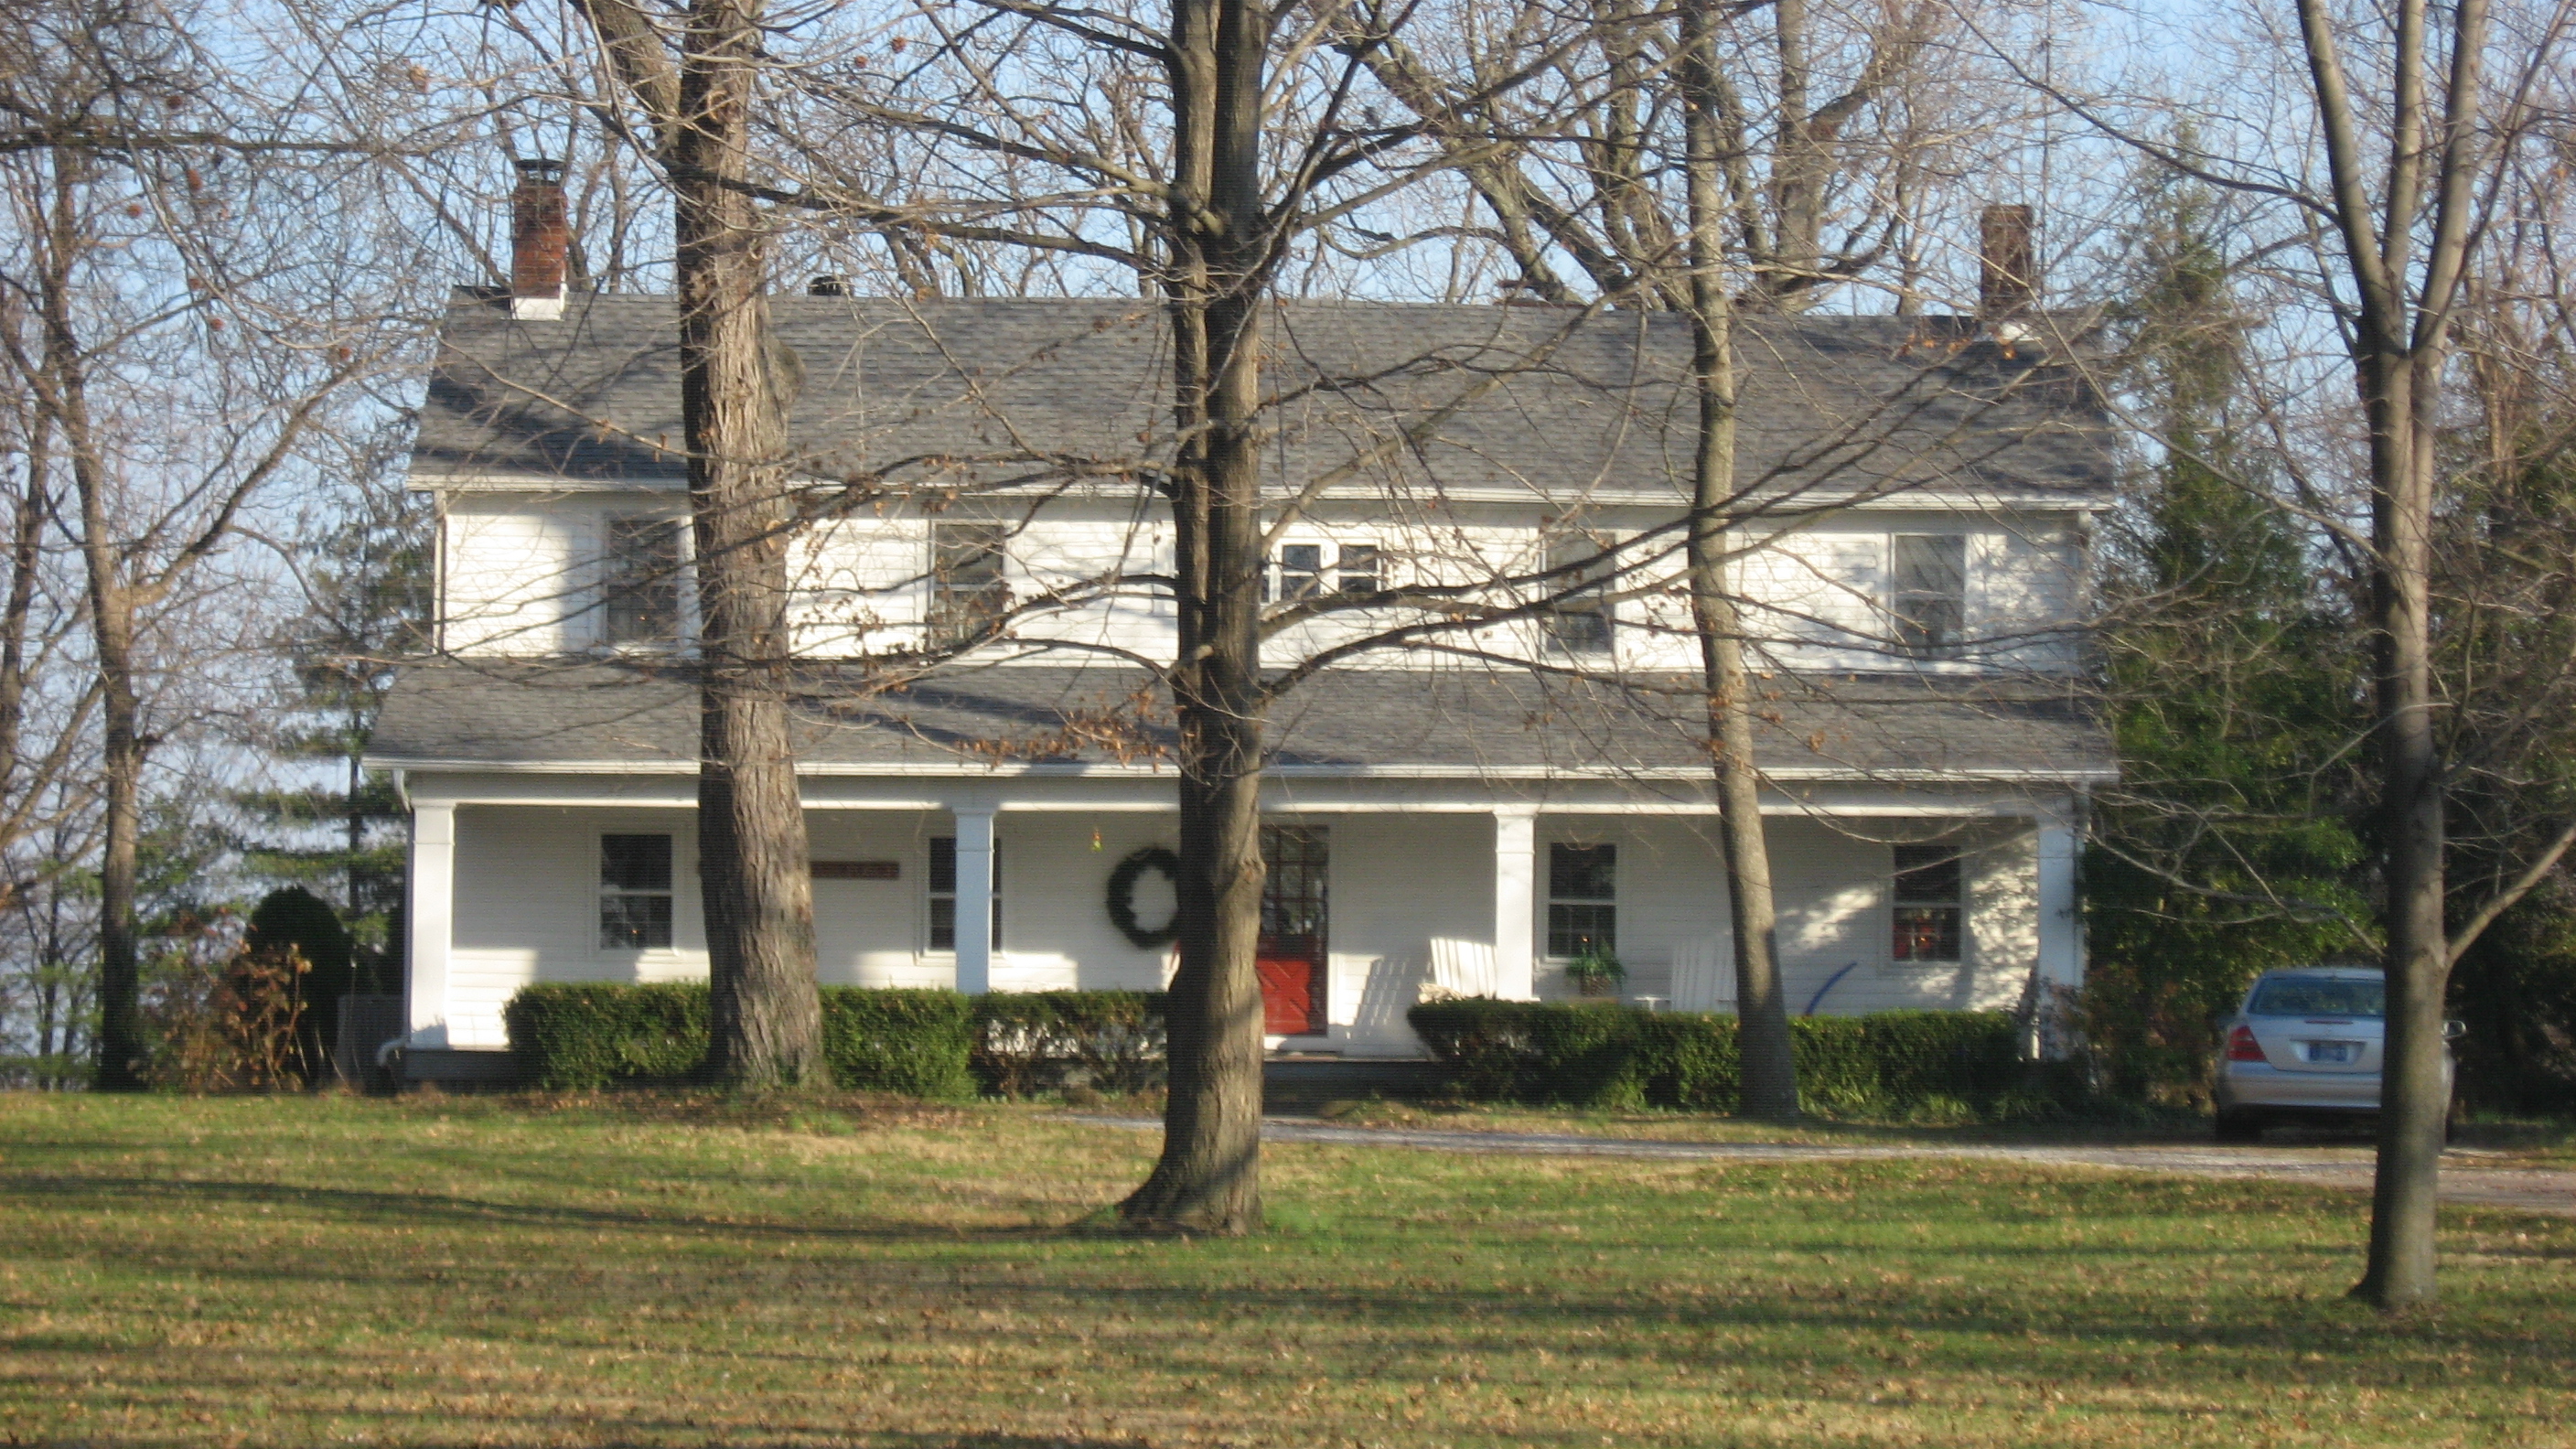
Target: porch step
x=1304 y=1083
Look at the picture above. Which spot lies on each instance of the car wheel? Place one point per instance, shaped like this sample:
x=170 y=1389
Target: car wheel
x=2239 y=1127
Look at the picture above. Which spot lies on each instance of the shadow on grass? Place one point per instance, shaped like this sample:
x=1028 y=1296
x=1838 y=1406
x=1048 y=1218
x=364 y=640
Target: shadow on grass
x=415 y=1207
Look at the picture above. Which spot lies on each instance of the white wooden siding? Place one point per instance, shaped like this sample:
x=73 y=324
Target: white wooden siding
x=520 y=578
x=527 y=886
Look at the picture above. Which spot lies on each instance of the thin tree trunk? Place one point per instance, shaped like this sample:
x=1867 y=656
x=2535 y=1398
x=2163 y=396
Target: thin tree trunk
x=119 y=1043
x=1209 y=1176
x=1770 y=1071
x=2401 y=320
x=2413 y=1102
x=766 y=1018
x=121 y=1047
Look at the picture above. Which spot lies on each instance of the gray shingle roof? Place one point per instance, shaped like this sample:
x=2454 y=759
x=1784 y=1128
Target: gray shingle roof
x=1442 y=721
x=1522 y=399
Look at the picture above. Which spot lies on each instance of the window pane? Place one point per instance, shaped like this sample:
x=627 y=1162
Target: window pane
x=1928 y=874
x=943 y=865
x=1583 y=872
x=943 y=923
x=1359 y=572
x=1301 y=568
x=1582 y=930
x=967 y=590
x=967 y=554
x=1579 y=622
x=641 y=580
x=635 y=862
x=1930 y=593
x=1927 y=933
x=634 y=922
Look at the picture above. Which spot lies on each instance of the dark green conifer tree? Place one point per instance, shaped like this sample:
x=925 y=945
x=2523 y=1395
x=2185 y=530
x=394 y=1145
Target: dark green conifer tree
x=367 y=591
x=2233 y=693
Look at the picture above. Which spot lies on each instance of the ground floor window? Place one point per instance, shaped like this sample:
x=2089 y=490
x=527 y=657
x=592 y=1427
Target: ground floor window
x=1582 y=901
x=1930 y=904
x=634 y=892
x=943 y=893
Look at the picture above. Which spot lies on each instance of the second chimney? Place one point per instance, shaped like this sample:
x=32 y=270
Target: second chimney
x=2007 y=267
x=540 y=242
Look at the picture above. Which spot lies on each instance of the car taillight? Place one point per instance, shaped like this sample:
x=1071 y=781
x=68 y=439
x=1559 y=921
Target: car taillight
x=2242 y=1047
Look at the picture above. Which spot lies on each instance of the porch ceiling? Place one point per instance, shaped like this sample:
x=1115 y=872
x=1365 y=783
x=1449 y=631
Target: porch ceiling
x=982 y=719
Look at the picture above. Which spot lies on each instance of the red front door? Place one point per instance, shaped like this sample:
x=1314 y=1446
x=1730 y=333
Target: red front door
x=1293 y=922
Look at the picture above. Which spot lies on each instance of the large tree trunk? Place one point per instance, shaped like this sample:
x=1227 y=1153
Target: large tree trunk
x=1209 y=1176
x=766 y=1019
x=1770 y=1071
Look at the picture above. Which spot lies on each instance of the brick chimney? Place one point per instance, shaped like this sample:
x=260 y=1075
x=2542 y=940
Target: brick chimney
x=540 y=241
x=2007 y=270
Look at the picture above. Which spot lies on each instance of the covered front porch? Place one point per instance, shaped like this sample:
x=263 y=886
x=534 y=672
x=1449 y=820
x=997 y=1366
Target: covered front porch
x=1383 y=890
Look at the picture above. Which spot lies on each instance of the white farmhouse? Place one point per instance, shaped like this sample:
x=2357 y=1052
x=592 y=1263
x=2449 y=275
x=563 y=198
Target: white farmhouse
x=1464 y=806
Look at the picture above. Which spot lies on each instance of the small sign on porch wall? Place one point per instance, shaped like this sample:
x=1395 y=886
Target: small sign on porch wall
x=858 y=870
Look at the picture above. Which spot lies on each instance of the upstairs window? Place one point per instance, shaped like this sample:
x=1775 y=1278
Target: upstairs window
x=640 y=580
x=943 y=893
x=634 y=892
x=1311 y=570
x=1929 y=572
x=1582 y=900
x=1358 y=572
x=1301 y=571
x=968 y=595
x=1579 y=621
x=1930 y=903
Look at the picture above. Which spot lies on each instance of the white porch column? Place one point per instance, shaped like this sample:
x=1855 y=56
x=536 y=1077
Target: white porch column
x=1515 y=902
x=974 y=898
x=430 y=914
x=2060 y=968
x=2061 y=933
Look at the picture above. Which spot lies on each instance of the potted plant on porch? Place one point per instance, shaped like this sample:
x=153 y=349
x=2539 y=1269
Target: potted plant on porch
x=1596 y=973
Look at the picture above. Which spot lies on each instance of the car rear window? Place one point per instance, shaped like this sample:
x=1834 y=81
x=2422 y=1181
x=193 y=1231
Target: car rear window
x=2320 y=996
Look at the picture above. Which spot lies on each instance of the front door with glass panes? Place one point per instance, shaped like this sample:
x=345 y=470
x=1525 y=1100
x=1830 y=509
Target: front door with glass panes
x=1293 y=929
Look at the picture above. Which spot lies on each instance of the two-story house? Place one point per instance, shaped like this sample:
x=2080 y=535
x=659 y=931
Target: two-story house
x=1483 y=794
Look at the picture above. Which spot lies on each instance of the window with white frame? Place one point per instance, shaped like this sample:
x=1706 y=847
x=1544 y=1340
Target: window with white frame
x=1358 y=571
x=639 y=579
x=634 y=892
x=1930 y=903
x=1582 y=900
x=1578 y=621
x=1928 y=593
x=943 y=893
x=968 y=593
x=1311 y=570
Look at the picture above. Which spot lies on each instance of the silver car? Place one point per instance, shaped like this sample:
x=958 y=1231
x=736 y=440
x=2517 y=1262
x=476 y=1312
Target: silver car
x=2306 y=1046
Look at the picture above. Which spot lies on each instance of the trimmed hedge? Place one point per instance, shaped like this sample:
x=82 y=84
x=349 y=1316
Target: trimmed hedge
x=935 y=1044
x=1607 y=1055
x=576 y=1037
x=586 y=1036
x=1037 y=1041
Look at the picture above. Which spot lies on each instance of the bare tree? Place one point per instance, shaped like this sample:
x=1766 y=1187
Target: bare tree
x=164 y=387
x=736 y=383
x=1781 y=125
x=2418 y=114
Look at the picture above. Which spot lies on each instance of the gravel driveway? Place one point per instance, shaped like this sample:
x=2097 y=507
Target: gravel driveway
x=2468 y=1176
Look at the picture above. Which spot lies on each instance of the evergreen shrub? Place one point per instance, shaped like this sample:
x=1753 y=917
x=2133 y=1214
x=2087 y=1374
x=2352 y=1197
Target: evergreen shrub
x=936 y=1044
x=575 y=1037
x=1600 y=1054
x=1037 y=1041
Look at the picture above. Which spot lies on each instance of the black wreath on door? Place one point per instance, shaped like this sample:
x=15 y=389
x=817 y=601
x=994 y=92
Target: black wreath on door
x=1122 y=896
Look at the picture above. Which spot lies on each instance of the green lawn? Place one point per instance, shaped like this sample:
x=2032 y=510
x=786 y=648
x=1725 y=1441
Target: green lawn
x=661 y=1271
